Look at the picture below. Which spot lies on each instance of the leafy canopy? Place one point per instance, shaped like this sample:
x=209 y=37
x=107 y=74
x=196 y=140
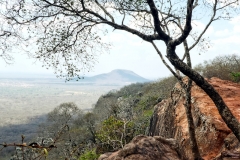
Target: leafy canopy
x=66 y=34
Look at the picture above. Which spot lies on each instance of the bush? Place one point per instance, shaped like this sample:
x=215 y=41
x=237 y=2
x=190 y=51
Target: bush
x=89 y=155
x=115 y=133
x=235 y=76
x=223 y=67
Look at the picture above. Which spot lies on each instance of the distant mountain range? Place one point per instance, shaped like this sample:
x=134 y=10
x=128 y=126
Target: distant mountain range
x=117 y=76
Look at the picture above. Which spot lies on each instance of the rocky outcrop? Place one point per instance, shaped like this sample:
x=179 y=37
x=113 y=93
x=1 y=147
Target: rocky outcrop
x=214 y=138
x=230 y=149
x=169 y=119
x=146 y=148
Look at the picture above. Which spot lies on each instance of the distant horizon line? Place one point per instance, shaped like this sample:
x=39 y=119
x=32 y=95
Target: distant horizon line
x=25 y=75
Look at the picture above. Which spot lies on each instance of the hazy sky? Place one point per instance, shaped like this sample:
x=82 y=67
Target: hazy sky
x=131 y=53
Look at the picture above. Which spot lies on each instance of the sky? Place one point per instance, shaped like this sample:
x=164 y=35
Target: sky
x=131 y=53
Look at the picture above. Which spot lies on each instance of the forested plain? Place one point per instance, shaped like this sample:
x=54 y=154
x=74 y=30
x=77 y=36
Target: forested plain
x=68 y=132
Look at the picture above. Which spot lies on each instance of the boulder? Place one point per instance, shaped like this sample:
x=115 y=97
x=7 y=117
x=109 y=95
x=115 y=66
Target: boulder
x=146 y=148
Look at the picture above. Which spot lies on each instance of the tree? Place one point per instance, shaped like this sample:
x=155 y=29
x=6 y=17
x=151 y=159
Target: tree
x=68 y=32
x=88 y=123
x=60 y=128
x=114 y=133
x=10 y=35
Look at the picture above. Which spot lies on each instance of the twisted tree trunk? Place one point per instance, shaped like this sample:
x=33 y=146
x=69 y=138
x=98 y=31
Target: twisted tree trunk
x=223 y=109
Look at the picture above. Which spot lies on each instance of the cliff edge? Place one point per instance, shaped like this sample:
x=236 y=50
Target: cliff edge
x=168 y=133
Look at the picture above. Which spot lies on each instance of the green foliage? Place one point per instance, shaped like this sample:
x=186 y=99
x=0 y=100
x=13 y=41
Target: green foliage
x=160 y=88
x=141 y=96
x=141 y=123
x=110 y=127
x=117 y=117
x=223 y=67
x=129 y=111
x=148 y=113
x=147 y=102
x=131 y=89
x=89 y=155
x=235 y=76
x=114 y=133
x=132 y=104
x=62 y=129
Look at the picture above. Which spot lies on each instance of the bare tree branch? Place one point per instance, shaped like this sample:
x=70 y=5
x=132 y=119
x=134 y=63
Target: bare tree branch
x=187 y=27
x=207 y=26
x=163 y=36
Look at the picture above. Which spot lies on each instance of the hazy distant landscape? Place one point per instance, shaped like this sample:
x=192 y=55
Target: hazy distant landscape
x=24 y=99
x=24 y=102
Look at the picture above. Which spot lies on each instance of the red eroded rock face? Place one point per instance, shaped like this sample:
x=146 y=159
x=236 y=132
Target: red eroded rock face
x=211 y=130
x=214 y=138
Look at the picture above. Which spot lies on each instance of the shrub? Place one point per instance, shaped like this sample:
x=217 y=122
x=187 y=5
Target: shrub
x=89 y=155
x=235 y=76
x=224 y=67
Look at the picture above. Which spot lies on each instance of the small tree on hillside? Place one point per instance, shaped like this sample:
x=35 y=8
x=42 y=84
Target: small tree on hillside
x=60 y=127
